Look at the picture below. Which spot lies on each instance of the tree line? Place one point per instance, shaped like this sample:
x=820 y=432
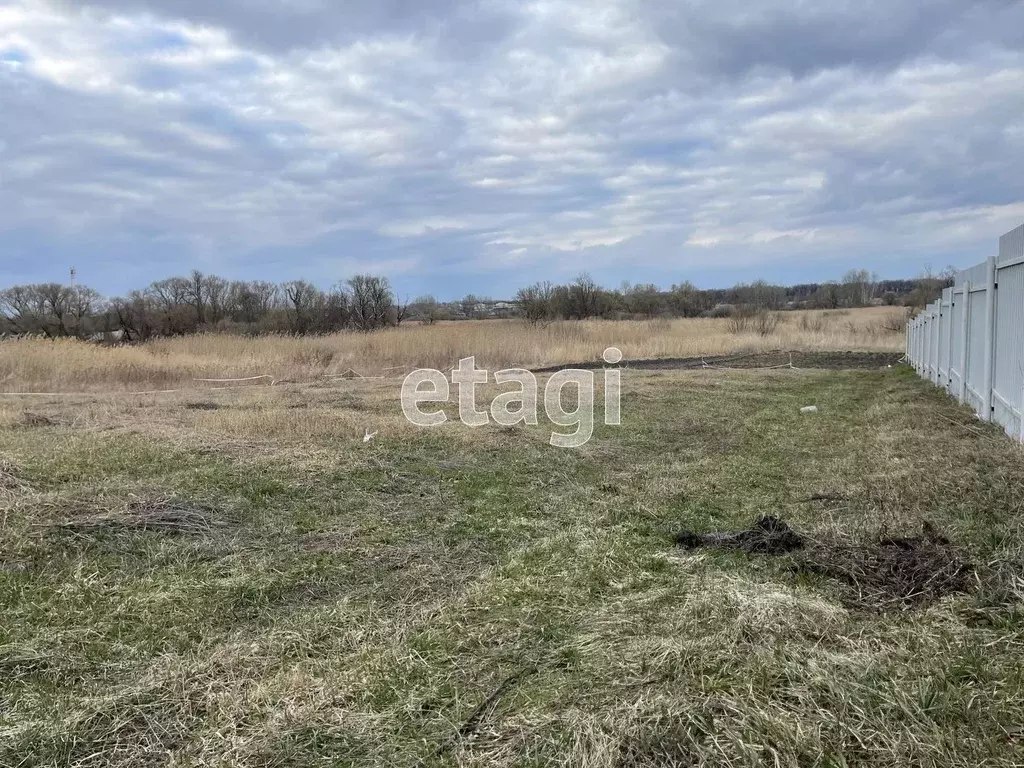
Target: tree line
x=178 y=306
x=202 y=302
x=584 y=298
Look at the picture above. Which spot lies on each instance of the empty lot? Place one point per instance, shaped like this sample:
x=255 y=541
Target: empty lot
x=237 y=578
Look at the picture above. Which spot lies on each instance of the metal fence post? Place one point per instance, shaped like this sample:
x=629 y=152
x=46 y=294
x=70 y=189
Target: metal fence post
x=990 y=340
x=965 y=329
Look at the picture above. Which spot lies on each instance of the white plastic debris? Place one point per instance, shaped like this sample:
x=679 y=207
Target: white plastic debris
x=369 y=436
x=809 y=409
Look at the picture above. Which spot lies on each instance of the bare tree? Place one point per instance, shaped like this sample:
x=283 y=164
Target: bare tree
x=642 y=299
x=427 y=309
x=335 y=312
x=584 y=298
x=175 y=313
x=216 y=290
x=688 y=300
x=535 y=303
x=760 y=295
x=195 y=294
x=50 y=309
x=250 y=302
x=302 y=301
x=136 y=316
x=828 y=296
x=371 y=301
x=20 y=306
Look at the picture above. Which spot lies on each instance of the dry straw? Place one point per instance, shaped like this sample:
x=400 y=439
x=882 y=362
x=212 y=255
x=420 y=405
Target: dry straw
x=40 y=366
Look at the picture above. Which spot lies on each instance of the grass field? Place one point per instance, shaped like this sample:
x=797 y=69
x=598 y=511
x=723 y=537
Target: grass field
x=236 y=578
x=36 y=365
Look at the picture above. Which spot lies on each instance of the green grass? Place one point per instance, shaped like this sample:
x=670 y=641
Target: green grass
x=359 y=603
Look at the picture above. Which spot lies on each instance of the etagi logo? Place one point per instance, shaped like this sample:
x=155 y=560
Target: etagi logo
x=518 y=406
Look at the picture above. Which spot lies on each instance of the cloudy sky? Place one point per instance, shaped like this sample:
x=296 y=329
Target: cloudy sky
x=480 y=145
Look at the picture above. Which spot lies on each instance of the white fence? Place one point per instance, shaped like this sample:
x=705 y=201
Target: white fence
x=971 y=341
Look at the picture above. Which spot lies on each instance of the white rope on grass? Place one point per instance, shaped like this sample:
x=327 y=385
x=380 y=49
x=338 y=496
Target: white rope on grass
x=228 y=381
x=346 y=375
x=109 y=392
x=751 y=368
x=86 y=394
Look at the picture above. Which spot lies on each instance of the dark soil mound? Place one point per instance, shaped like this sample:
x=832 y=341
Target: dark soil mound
x=890 y=572
x=768 y=536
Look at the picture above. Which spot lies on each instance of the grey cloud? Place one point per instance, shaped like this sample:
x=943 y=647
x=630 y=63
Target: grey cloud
x=727 y=37
x=733 y=37
x=465 y=29
x=579 y=134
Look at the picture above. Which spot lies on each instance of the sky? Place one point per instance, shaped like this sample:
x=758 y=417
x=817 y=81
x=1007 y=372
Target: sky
x=480 y=146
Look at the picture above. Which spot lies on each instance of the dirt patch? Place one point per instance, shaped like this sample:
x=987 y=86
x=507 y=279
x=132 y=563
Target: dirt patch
x=328 y=541
x=768 y=536
x=890 y=572
x=166 y=517
x=867 y=361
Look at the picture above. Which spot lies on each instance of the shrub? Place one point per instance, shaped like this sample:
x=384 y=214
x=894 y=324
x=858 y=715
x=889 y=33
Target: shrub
x=895 y=321
x=722 y=310
x=759 y=321
x=313 y=356
x=813 y=323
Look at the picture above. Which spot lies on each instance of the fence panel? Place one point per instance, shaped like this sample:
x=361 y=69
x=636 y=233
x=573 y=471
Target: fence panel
x=976 y=348
x=971 y=341
x=1008 y=382
x=944 y=326
x=956 y=316
x=929 y=324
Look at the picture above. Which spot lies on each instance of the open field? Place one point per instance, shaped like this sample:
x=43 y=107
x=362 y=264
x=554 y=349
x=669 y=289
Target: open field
x=42 y=366
x=236 y=578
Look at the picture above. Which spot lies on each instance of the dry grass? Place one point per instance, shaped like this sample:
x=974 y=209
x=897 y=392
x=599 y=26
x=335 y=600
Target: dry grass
x=459 y=597
x=70 y=366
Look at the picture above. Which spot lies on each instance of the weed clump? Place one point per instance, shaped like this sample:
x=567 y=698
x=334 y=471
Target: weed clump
x=892 y=572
